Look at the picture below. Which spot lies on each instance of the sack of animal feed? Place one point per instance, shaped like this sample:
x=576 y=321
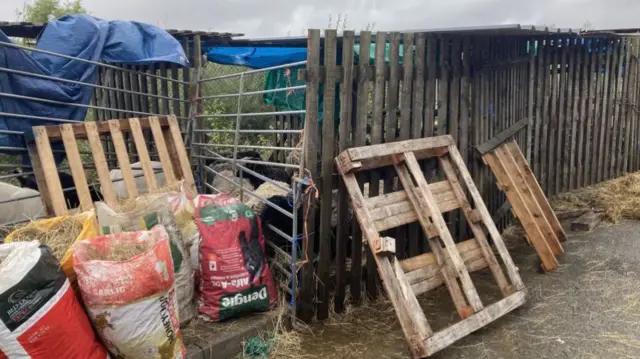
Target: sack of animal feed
x=235 y=276
x=59 y=234
x=40 y=315
x=127 y=284
x=150 y=211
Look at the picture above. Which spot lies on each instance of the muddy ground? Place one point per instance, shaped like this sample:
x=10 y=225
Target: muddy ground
x=589 y=308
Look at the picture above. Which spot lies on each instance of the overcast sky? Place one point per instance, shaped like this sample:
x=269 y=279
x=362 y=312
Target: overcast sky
x=262 y=18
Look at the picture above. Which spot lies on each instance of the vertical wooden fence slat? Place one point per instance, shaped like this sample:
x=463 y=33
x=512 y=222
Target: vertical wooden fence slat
x=540 y=95
x=612 y=112
x=391 y=123
x=553 y=119
x=311 y=137
x=154 y=90
x=465 y=93
x=135 y=86
x=621 y=107
x=604 y=125
x=630 y=152
x=582 y=114
x=328 y=134
x=348 y=41
x=550 y=50
x=144 y=88
x=423 y=105
x=556 y=138
x=569 y=125
x=531 y=100
x=589 y=108
x=359 y=136
x=376 y=138
x=597 y=118
x=186 y=78
x=405 y=119
x=625 y=131
x=126 y=85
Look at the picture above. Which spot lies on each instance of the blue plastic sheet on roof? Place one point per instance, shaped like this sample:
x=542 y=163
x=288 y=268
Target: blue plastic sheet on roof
x=256 y=57
x=80 y=36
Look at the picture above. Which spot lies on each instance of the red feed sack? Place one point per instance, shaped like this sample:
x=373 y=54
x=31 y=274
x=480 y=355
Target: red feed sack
x=235 y=276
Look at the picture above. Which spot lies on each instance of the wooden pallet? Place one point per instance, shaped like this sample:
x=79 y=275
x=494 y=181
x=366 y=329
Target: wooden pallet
x=529 y=204
x=167 y=138
x=426 y=202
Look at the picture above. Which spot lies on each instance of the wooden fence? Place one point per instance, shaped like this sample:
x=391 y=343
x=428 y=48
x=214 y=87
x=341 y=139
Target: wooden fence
x=568 y=100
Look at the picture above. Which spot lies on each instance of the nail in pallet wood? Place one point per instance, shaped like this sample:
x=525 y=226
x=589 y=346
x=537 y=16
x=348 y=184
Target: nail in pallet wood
x=528 y=201
x=167 y=138
x=425 y=203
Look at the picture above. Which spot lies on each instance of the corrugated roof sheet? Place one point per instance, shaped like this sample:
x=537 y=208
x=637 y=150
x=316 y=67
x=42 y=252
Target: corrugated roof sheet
x=31 y=30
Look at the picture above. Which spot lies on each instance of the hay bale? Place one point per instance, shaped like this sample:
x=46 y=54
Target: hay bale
x=618 y=198
x=266 y=190
x=59 y=237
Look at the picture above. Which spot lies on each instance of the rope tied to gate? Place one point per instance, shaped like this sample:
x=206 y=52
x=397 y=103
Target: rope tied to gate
x=309 y=193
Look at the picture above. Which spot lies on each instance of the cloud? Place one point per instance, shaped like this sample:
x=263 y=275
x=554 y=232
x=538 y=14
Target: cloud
x=260 y=18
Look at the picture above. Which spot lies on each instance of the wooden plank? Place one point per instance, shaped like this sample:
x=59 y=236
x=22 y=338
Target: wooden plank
x=175 y=90
x=553 y=124
x=50 y=171
x=342 y=233
x=454 y=100
x=430 y=99
x=550 y=51
x=597 y=122
x=532 y=98
x=535 y=188
x=512 y=271
x=605 y=123
x=346 y=99
x=412 y=319
x=633 y=73
x=445 y=236
x=178 y=143
x=469 y=250
x=581 y=115
x=557 y=159
x=463 y=328
x=106 y=186
x=570 y=128
x=186 y=78
x=123 y=158
x=77 y=170
x=359 y=136
x=163 y=153
x=103 y=128
x=376 y=138
x=374 y=152
x=434 y=280
x=609 y=145
x=328 y=138
x=630 y=86
x=465 y=114
x=406 y=126
x=477 y=231
x=311 y=137
x=534 y=232
x=143 y=154
x=622 y=106
x=501 y=137
x=420 y=201
x=391 y=124
x=587 y=221
x=38 y=171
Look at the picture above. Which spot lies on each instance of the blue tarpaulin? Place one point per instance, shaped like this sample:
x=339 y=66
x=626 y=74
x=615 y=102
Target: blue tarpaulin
x=256 y=57
x=80 y=36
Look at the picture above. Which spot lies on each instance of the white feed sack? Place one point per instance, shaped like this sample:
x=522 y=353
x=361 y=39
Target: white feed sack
x=119 y=186
x=20 y=209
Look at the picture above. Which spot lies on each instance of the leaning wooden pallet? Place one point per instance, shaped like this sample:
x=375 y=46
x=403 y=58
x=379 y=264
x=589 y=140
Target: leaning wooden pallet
x=426 y=202
x=168 y=141
x=530 y=206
